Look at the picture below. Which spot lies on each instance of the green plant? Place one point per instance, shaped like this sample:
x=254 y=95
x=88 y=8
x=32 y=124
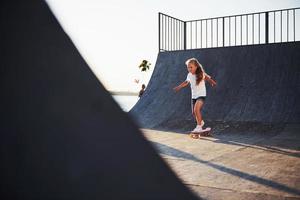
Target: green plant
x=144 y=66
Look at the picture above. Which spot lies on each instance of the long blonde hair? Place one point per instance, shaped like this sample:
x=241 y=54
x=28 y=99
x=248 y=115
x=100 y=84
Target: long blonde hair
x=199 y=71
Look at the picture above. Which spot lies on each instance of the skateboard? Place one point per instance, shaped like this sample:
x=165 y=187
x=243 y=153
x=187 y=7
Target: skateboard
x=204 y=133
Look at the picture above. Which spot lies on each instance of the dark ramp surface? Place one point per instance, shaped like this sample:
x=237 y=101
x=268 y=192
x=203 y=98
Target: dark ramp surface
x=255 y=84
x=62 y=135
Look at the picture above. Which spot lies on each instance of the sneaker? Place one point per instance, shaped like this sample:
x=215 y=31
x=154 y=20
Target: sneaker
x=197 y=129
x=202 y=123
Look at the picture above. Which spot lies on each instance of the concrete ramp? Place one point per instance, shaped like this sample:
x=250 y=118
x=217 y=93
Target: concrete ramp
x=62 y=135
x=259 y=83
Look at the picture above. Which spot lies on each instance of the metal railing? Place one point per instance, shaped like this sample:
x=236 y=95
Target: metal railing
x=275 y=26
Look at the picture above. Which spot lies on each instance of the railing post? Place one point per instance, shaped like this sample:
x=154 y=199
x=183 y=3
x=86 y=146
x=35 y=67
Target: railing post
x=223 y=31
x=267 y=27
x=184 y=35
x=159 y=32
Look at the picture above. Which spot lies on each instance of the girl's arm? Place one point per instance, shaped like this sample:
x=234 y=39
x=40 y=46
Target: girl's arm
x=210 y=80
x=182 y=85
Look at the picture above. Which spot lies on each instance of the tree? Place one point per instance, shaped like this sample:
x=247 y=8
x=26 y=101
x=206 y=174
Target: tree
x=144 y=66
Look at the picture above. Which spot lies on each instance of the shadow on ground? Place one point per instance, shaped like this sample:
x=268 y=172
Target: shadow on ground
x=243 y=134
x=170 y=151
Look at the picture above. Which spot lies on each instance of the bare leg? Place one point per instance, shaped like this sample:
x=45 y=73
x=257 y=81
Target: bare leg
x=193 y=113
x=194 y=116
x=197 y=111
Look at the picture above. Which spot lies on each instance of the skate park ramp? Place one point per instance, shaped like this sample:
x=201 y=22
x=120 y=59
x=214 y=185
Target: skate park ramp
x=62 y=135
x=257 y=83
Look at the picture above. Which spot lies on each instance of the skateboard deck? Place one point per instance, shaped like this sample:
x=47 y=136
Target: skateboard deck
x=205 y=133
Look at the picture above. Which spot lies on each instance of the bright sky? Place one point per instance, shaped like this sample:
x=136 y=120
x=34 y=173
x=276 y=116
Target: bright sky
x=114 y=36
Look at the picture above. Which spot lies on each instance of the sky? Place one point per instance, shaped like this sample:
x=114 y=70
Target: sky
x=114 y=36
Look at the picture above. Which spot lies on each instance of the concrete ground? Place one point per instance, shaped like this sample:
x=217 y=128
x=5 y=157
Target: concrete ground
x=230 y=165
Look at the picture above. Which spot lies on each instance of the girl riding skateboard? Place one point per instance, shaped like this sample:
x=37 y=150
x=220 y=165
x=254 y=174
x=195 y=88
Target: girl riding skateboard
x=196 y=77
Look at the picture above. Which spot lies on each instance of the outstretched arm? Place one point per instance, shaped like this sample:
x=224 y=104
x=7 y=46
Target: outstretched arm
x=210 y=80
x=182 y=85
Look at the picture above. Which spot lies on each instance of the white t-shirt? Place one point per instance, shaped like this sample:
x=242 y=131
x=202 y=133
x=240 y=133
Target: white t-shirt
x=197 y=90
